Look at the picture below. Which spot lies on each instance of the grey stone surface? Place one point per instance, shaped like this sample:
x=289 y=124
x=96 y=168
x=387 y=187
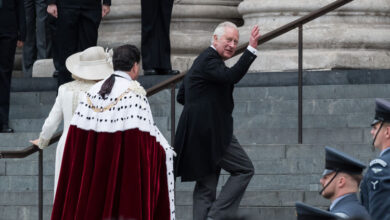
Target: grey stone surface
x=25 y=198
x=2 y=167
x=265 y=121
x=253 y=198
x=24 y=111
x=23 y=212
x=17 y=139
x=22 y=168
x=26 y=125
x=29 y=183
x=33 y=98
x=248 y=213
x=265 y=151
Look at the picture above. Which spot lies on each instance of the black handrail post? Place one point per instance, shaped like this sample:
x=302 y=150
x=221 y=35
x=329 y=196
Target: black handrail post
x=300 y=48
x=40 y=184
x=173 y=113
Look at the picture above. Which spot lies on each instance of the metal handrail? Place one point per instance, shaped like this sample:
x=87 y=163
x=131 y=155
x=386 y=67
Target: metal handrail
x=28 y=150
x=171 y=83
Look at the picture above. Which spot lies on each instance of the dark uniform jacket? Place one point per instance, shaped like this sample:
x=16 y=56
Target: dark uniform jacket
x=12 y=18
x=350 y=206
x=86 y=4
x=206 y=124
x=375 y=188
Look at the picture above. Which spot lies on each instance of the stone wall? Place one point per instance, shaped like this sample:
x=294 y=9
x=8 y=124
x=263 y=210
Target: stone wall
x=355 y=36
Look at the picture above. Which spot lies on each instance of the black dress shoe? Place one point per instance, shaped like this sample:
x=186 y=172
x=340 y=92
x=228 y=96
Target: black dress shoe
x=6 y=129
x=167 y=72
x=150 y=72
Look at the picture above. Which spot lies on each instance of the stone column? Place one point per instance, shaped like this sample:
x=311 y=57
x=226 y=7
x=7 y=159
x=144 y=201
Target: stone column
x=356 y=35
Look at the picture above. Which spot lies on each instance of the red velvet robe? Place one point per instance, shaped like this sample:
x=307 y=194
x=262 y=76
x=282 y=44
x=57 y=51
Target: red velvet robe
x=116 y=163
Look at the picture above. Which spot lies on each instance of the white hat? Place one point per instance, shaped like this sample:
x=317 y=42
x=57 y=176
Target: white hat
x=91 y=64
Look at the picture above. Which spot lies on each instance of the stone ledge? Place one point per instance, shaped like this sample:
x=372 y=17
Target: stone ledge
x=253 y=79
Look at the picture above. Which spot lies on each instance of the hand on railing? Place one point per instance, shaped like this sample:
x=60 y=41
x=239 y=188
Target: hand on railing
x=35 y=142
x=255 y=35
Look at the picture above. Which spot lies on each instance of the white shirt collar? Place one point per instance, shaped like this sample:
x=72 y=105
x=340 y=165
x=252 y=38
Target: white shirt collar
x=334 y=203
x=384 y=151
x=212 y=46
x=123 y=74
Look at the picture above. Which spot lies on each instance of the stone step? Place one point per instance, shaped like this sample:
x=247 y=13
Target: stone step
x=308 y=182
x=28 y=111
x=262 y=198
x=24 y=183
x=264 y=152
x=267 y=159
x=15 y=140
x=247 y=213
x=322 y=136
x=33 y=98
x=313 y=92
x=19 y=212
x=340 y=107
x=318 y=92
x=27 y=125
x=274 y=205
x=255 y=121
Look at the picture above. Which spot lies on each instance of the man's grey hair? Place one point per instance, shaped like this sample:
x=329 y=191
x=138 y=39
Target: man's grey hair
x=220 y=29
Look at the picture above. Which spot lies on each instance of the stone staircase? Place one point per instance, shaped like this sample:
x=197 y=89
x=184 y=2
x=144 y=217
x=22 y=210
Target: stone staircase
x=336 y=113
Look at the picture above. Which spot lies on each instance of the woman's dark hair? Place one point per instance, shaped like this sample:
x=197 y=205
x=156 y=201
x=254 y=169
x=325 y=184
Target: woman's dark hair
x=123 y=59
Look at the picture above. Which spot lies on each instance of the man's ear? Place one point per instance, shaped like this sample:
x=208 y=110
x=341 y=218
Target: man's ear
x=215 y=37
x=387 y=133
x=341 y=181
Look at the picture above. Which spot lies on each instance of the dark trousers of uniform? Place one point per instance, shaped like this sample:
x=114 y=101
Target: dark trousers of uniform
x=37 y=44
x=155 y=43
x=77 y=29
x=205 y=204
x=7 y=56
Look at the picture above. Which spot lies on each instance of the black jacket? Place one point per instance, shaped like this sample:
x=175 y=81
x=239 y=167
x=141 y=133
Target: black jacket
x=83 y=4
x=206 y=124
x=12 y=18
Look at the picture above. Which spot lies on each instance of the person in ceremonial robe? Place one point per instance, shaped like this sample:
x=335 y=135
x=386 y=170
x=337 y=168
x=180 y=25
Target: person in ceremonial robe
x=116 y=162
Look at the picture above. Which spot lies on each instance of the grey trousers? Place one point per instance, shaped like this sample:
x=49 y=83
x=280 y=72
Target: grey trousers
x=205 y=204
x=38 y=43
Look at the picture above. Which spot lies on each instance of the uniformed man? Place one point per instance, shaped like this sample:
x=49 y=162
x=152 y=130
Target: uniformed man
x=375 y=188
x=340 y=182
x=306 y=212
x=12 y=35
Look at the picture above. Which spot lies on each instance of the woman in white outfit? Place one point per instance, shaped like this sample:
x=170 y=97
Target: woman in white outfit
x=87 y=68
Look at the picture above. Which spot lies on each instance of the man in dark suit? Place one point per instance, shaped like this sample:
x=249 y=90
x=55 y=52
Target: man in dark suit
x=204 y=141
x=77 y=28
x=12 y=34
x=155 y=43
x=340 y=181
x=38 y=43
x=375 y=187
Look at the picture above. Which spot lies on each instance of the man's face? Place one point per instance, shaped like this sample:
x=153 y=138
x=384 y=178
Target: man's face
x=379 y=136
x=134 y=72
x=329 y=192
x=226 y=45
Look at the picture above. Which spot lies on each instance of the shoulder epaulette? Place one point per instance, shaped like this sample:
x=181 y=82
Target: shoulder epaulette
x=378 y=161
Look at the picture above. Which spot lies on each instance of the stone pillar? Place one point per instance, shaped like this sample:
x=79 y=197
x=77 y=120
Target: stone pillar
x=192 y=24
x=354 y=36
